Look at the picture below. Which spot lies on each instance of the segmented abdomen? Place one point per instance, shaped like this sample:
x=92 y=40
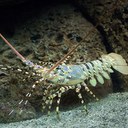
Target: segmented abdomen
x=74 y=74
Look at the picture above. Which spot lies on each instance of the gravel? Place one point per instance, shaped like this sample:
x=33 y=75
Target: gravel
x=110 y=112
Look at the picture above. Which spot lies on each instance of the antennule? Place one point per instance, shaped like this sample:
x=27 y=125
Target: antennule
x=13 y=49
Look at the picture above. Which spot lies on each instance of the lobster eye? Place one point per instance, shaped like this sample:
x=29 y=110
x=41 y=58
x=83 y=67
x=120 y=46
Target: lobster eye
x=29 y=63
x=38 y=66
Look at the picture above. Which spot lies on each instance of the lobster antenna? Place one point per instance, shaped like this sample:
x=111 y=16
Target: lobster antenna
x=13 y=49
x=75 y=47
x=69 y=53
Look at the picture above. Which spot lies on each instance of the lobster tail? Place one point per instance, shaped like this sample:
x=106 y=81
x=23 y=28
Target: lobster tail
x=119 y=63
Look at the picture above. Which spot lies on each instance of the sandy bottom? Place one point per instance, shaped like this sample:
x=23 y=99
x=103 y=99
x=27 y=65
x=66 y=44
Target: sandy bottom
x=110 y=112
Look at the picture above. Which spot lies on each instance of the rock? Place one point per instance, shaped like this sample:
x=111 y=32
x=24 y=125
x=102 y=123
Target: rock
x=8 y=105
x=113 y=19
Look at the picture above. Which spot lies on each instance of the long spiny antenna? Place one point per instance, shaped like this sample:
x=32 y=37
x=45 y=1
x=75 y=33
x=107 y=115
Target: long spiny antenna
x=76 y=46
x=27 y=62
x=13 y=49
x=70 y=52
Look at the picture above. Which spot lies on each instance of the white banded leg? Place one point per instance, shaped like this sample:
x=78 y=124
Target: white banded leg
x=28 y=95
x=78 y=88
x=58 y=103
x=61 y=91
x=50 y=102
x=46 y=101
x=24 y=102
x=90 y=92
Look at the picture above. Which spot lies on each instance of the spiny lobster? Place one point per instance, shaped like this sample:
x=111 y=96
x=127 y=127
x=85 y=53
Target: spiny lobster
x=62 y=77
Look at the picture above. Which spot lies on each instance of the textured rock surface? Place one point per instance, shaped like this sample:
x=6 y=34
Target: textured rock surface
x=111 y=112
x=113 y=18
